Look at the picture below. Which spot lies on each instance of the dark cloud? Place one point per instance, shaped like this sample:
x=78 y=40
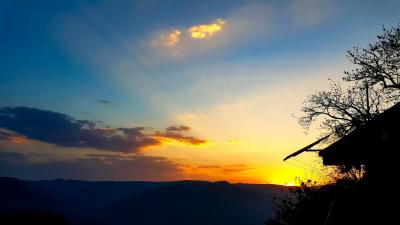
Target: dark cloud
x=176 y=132
x=177 y=128
x=104 y=101
x=182 y=138
x=63 y=130
x=100 y=167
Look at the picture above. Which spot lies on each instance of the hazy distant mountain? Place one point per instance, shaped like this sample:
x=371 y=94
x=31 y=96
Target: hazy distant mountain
x=142 y=203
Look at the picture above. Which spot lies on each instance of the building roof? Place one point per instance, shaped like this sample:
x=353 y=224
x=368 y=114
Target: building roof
x=361 y=145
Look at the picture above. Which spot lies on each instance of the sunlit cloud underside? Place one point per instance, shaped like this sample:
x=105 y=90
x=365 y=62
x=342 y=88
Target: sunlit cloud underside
x=206 y=30
x=200 y=31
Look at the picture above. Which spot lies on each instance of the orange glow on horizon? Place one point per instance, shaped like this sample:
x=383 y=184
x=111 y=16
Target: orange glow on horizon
x=13 y=137
x=230 y=160
x=182 y=141
x=231 y=173
x=19 y=140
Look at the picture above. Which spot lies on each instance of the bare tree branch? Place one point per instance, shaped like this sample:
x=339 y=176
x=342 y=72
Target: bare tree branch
x=342 y=110
x=379 y=63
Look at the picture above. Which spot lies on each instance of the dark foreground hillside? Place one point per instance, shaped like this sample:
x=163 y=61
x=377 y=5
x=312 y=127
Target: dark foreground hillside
x=143 y=203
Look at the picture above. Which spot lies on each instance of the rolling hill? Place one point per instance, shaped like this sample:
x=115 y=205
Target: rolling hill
x=137 y=202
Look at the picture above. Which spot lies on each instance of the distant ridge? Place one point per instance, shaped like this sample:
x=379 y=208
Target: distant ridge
x=141 y=202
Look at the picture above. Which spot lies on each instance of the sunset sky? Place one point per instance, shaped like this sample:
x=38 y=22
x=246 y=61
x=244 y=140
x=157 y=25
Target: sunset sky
x=170 y=90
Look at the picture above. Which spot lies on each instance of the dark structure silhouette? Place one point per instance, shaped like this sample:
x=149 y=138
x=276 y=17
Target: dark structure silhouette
x=372 y=145
x=366 y=134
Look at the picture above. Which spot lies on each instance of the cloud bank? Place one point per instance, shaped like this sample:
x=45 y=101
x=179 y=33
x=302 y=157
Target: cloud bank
x=19 y=123
x=92 y=167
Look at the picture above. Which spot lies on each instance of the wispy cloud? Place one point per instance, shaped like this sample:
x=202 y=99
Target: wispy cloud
x=12 y=136
x=177 y=133
x=186 y=40
x=174 y=128
x=167 y=40
x=244 y=25
x=307 y=13
x=104 y=101
x=199 y=31
x=238 y=26
x=175 y=136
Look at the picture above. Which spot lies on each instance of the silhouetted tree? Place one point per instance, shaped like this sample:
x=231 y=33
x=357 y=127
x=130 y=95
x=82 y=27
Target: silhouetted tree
x=379 y=62
x=372 y=87
x=341 y=110
x=31 y=218
x=306 y=204
x=310 y=204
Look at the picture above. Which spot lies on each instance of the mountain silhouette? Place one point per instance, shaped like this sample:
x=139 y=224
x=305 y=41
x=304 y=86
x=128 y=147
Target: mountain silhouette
x=136 y=202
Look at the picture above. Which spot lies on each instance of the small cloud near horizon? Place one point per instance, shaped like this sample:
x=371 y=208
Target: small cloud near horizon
x=177 y=128
x=104 y=101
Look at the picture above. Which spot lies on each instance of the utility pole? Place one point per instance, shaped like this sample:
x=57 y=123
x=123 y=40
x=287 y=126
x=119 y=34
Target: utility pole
x=367 y=98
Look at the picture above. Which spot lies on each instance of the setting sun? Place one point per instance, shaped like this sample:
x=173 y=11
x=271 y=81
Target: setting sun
x=289 y=184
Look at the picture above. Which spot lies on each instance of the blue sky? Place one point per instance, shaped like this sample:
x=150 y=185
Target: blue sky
x=67 y=56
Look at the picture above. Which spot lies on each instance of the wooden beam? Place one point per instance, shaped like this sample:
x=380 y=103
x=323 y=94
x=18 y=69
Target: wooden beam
x=307 y=148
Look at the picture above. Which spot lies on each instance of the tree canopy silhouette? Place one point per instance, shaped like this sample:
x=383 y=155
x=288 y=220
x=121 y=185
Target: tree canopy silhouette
x=379 y=62
x=371 y=87
x=341 y=110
